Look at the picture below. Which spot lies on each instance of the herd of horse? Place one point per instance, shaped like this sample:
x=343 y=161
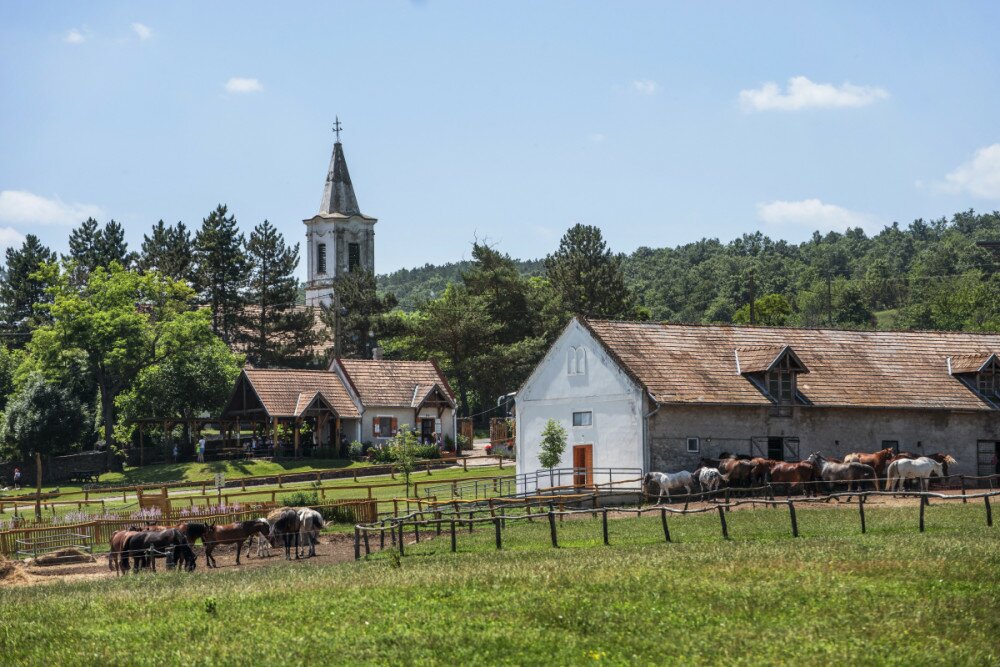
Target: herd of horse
x=854 y=470
x=137 y=547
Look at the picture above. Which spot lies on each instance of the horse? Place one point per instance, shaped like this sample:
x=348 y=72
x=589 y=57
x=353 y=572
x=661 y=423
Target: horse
x=737 y=471
x=760 y=470
x=669 y=480
x=879 y=460
x=233 y=533
x=709 y=478
x=312 y=522
x=287 y=526
x=118 y=538
x=919 y=469
x=793 y=475
x=843 y=472
x=145 y=547
x=944 y=459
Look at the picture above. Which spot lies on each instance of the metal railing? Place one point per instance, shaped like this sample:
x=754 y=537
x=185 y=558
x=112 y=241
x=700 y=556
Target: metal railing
x=48 y=542
x=550 y=481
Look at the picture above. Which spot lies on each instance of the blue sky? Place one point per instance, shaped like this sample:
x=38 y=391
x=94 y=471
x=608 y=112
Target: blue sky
x=659 y=122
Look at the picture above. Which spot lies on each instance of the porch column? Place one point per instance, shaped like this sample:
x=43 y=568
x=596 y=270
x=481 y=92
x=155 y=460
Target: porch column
x=274 y=438
x=298 y=423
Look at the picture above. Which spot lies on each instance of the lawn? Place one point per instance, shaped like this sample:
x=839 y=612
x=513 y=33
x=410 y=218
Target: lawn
x=833 y=596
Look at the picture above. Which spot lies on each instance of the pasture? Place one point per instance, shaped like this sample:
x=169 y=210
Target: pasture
x=891 y=596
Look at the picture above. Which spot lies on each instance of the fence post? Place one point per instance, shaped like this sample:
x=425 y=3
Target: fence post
x=465 y=464
x=437 y=515
x=470 y=521
x=416 y=531
x=795 y=523
x=496 y=529
x=727 y=498
x=989 y=512
x=922 y=505
x=961 y=479
x=861 y=509
x=503 y=517
x=663 y=520
x=454 y=540
x=402 y=538
x=604 y=524
x=770 y=493
x=552 y=529
x=392 y=532
x=381 y=536
x=722 y=518
x=368 y=549
x=357 y=543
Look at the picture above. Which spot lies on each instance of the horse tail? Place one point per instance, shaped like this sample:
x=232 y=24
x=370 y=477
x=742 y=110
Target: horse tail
x=890 y=471
x=318 y=521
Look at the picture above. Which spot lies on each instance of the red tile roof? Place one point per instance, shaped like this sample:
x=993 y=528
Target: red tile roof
x=286 y=392
x=386 y=382
x=682 y=363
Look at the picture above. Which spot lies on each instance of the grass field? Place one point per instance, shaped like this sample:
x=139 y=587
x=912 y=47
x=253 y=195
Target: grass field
x=833 y=596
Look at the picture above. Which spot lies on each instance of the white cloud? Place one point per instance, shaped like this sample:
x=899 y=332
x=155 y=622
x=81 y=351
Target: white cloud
x=74 y=36
x=10 y=237
x=980 y=176
x=19 y=207
x=815 y=215
x=241 y=85
x=645 y=86
x=804 y=94
x=142 y=30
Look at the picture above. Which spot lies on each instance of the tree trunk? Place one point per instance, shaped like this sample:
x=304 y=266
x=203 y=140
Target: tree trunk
x=38 y=487
x=108 y=413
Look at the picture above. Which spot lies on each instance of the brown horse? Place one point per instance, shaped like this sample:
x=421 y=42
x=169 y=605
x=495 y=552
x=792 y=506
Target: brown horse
x=879 y=460
x=118 y=539
x=234 y=533
x=761 y=469
x=794 y=475
x=736 y=471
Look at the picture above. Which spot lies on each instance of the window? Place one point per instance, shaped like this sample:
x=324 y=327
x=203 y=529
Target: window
x=781 y=381
x=989 y=383
x=321 y=258
x=583 y=418
x=353 y=256
x=694 y=445
x=576 y=361
x=384 y=427
x=891 y=444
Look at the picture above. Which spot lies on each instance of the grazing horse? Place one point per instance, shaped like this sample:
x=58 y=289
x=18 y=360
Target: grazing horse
x=853 y=472
x=669 y=480
x=709 y=479
x=919 y=469
x=234 y=533
x=146 y=546
x=879 y=460
x=118 y=538
x=286 y=526
x=312 y=522
x=793 y=475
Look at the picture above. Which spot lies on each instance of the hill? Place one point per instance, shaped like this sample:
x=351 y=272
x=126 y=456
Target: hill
x=415 y=286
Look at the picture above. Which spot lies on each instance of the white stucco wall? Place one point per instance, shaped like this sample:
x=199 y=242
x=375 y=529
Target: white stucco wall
x=552 y=392
x=405 y=417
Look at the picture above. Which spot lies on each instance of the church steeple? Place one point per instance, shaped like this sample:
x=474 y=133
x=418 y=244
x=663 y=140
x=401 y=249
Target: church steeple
x=338 y=193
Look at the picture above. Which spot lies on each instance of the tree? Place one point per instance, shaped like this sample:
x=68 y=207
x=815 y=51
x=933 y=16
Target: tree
x=169 y=251
x=552 y=446
x=91 y=247
x=772 y=310
x=41 y=419
x=404 y=453
x=221 y=269
x=118 y=324
x=589 y=276
x=20 y=288
x=362 y=314
x=272 y=330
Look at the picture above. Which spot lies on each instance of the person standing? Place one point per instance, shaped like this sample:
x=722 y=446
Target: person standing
x=201 y=450
x=17 y=478
x=177 y=454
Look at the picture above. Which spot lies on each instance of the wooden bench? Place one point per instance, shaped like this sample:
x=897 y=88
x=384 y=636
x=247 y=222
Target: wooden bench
x=85 y=476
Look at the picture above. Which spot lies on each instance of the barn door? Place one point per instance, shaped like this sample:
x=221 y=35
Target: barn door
x=792 y=449
x=986 y=451
x=583 y=465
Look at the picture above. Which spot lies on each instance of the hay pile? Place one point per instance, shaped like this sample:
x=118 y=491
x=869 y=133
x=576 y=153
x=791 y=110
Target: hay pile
x=12 y=573
x=63 y=557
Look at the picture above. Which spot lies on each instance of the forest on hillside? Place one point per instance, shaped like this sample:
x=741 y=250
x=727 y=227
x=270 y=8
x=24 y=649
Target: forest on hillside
x=926 y=275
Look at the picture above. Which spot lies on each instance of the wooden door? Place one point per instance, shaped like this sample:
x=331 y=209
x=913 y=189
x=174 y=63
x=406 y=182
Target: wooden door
x=583 y=464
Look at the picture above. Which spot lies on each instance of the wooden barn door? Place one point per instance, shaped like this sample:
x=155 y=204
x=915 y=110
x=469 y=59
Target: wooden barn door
x=583 y=462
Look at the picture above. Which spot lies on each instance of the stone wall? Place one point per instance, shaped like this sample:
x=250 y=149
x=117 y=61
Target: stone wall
x=56 y=469
x=832 y=431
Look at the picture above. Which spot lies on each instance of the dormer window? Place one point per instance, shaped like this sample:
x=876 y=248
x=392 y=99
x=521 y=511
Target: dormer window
x=989 y=383
x=773 y=370
x=980 y=372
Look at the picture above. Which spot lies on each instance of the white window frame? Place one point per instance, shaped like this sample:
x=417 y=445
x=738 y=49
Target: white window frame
x=582 y=412
x=697 y=445
x=576 y=361
x=381 y=435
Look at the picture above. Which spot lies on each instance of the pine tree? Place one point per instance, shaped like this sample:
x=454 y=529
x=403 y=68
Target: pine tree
x=19 y=291
x=589 y=276
x=91 y=247
x=169 y=250
x=111 y=247
x=362 y=318
x=273 y=332
x=221 y=266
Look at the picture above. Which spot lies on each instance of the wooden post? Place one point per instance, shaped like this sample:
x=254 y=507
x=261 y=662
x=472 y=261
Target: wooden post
x=552 y=529
x=470 y=521
x=367 y=547
x=381 y=536
x=861 y=510
x=437 y=515
x=722 y=519
x=496 y=529
x=663 y=520
x=357 y=543
x=961 y=479
x=922 y=505
x=38 y=487
x=727 y=498
x=274 y=442
x=604 y=524
x=416 y=531
x=465 y=464
x=503 y=516
x=392 y=532
x=989 y=512
x=401 y=538
x=454 y=538
x=791 y=513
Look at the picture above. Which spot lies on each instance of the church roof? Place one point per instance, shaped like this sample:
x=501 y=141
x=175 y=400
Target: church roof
x=338 y=193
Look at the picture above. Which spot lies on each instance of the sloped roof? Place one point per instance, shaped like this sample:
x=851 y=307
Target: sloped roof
x=682 y=363
x=338 y=192
x=282 y=390
x=386 y=382
x=970 y=363
x=422 y=393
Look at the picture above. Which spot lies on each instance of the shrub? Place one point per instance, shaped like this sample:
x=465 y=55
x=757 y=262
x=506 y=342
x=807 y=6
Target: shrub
x=356 y=450
x=301 y=499
x=381 y=454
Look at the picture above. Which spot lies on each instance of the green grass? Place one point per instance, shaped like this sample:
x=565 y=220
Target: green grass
x=833 y=596
x=200 y=472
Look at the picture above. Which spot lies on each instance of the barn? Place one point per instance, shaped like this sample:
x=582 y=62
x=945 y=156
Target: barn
x=661 y=396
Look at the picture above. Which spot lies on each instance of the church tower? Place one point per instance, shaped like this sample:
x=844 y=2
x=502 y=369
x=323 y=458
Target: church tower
x=339 y=238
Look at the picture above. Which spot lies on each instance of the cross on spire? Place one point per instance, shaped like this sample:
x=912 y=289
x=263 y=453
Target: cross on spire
x=337 y=127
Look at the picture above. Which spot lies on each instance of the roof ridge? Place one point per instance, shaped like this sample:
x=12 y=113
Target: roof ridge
x=760 y=327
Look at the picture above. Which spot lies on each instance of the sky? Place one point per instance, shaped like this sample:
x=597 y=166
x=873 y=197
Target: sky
x=659 y=122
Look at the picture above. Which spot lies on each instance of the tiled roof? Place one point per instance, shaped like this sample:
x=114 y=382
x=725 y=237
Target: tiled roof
x=970 y=363
x=386 y=382
x=758 y=359
x=283 y=390
x=680 y=363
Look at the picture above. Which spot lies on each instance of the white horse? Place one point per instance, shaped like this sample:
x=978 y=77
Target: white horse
x=311 y=523
x=669 y=480
x=710 y=478
x=920 y=469
x=263 y=545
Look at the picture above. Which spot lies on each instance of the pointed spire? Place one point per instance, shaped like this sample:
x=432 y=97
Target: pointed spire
x=338 y=193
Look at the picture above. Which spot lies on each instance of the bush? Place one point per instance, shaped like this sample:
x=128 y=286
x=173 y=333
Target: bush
x=301 y=499
x=426 y=452
x=356 y=450
x=449 y=443
x=463 y=443
x=381 y=454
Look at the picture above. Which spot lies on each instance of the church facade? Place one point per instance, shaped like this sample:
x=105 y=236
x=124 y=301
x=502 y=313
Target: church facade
x=339 y=238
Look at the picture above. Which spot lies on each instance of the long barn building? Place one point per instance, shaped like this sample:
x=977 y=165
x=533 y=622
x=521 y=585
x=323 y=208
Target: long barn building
x=662 y=396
